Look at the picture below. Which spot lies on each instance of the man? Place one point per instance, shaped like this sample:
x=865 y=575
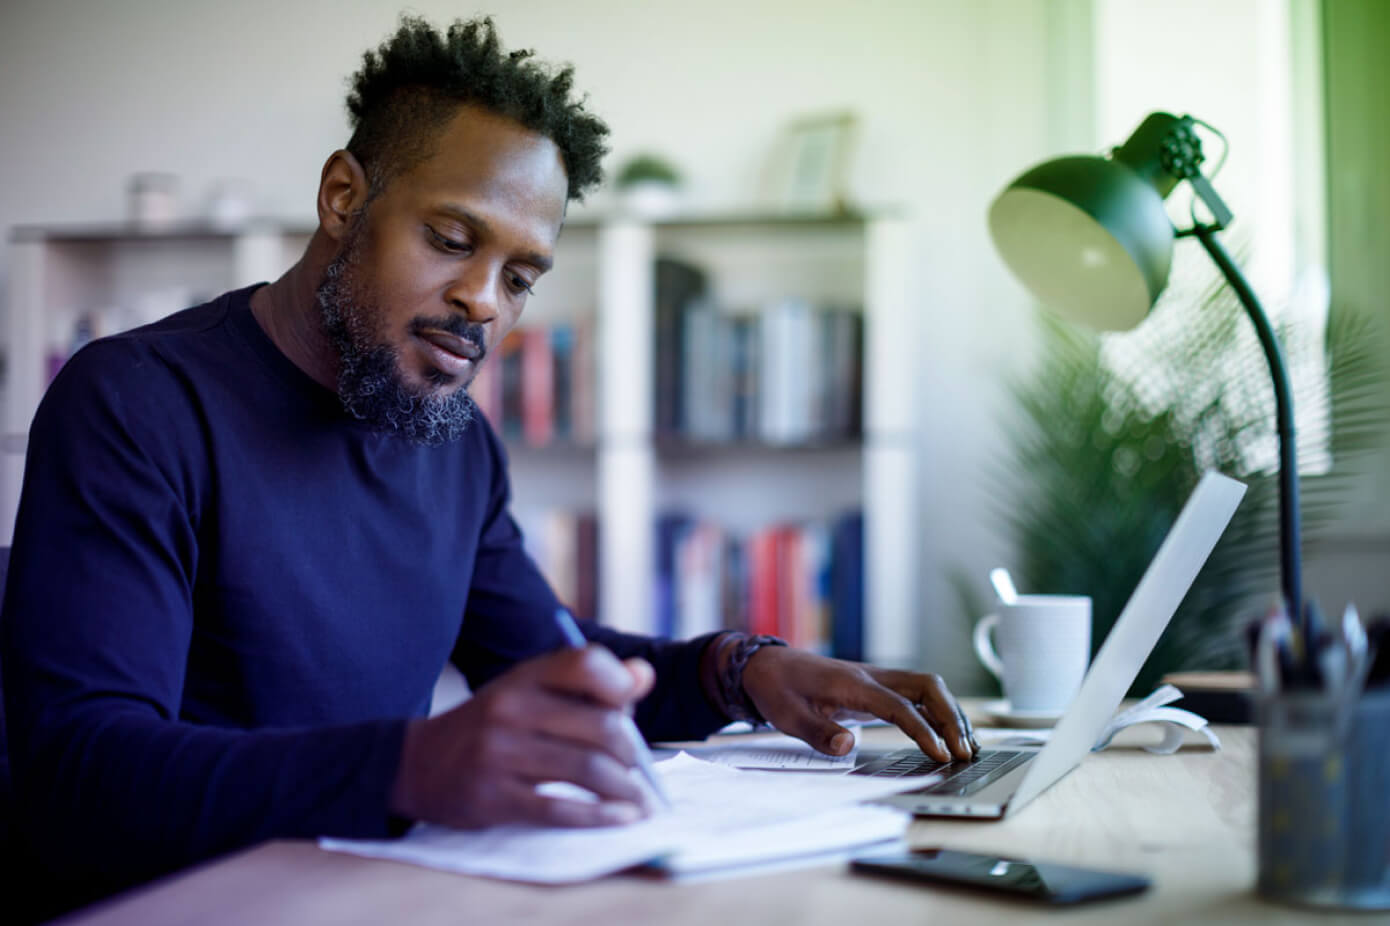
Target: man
x=251 y=534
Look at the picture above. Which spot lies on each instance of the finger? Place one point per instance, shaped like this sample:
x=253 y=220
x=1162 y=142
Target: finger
x=902 y=713
x=945 y=714
x=819 y=731
x=937 y=705
x=579 y=722
x=527 y=805
x=643 y=676
x=593 y=673
x=547 y=759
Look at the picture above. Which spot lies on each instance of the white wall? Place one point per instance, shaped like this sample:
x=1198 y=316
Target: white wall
x=954 y=99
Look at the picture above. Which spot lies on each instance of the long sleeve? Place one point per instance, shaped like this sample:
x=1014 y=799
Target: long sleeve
x=113 y=786
x=509 y=618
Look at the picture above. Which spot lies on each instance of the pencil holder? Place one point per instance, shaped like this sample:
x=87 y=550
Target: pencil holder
x=1324 y=801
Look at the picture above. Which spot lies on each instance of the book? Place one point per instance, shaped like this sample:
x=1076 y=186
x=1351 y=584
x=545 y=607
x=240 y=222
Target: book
x=670 y=529
x=744 y=347
x=486 y=391
x=847 y=587
x=677 y=284
x=586 y=568
x=509 y=420
x=762 y=583
x=583 y=383
x=537 y=387
x=699 y=577
x=562 y=382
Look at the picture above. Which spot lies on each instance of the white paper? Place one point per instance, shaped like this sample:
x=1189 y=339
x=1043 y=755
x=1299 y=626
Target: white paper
x=811 y=837
x=718 y=812
x=778 y=751
x=1172 y=721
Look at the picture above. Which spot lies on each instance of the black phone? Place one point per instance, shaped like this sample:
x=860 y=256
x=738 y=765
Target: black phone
x=1027 y=878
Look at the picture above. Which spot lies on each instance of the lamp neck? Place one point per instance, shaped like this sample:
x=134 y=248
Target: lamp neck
x=1148 y=151
x=1289 y=529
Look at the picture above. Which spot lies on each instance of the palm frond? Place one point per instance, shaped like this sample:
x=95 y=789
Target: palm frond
x=1114 y=432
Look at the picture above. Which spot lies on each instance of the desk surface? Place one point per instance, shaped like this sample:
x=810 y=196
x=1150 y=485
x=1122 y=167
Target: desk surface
x=1186 y=820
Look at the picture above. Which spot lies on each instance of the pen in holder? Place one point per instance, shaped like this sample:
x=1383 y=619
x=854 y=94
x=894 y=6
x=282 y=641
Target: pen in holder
x=1324 y=799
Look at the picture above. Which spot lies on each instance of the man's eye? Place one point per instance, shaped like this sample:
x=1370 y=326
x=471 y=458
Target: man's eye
x=447 y=244
x=519 y=286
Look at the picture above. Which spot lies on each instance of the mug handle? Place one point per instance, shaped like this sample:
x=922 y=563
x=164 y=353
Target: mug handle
x=984 y=647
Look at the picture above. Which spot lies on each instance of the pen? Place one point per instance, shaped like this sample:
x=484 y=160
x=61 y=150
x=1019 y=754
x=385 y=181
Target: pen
x=575 y=640
x=1271 y=653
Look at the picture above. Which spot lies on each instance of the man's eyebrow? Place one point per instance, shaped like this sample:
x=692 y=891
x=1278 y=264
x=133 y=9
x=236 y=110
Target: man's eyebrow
x=541 y=261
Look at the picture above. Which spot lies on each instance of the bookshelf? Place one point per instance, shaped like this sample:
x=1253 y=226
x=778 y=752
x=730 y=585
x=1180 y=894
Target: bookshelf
x=72 y=282
x=625 y=472
x=753 y=261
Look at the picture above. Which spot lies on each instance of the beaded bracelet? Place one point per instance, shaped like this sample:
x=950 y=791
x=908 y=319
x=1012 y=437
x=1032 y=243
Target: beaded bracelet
x=737 y=704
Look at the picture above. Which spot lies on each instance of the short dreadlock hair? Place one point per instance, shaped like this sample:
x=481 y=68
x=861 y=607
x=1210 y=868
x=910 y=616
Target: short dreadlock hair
x=411 y=85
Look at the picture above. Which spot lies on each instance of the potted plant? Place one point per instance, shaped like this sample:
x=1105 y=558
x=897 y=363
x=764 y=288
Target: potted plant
x=1115 y=431
x=648 y=185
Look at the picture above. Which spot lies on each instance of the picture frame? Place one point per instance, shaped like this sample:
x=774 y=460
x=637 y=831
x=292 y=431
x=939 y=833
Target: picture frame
x=814 y=163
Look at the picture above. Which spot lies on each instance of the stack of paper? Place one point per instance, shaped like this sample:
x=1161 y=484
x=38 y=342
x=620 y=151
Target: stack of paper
x=721 y=817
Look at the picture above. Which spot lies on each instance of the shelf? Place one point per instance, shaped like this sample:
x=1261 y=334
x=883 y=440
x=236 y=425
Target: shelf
x=115 y=232
x=631 y=473
x=732 y=219
x=588 y=221
x=559 y=450
x=668 y=446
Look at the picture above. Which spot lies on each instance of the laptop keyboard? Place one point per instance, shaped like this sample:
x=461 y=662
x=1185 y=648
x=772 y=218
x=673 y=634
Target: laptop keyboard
x=962 y=776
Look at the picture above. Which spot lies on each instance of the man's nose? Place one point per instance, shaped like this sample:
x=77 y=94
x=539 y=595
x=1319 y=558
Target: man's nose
x=473 y=292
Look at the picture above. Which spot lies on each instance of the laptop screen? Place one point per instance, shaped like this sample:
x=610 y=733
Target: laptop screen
x=1149 y=609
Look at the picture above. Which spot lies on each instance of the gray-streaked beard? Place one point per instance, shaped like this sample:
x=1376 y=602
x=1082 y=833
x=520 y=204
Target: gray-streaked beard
x=370 y=383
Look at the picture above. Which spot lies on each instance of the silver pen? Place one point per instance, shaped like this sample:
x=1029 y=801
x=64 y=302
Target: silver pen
x=575 y=639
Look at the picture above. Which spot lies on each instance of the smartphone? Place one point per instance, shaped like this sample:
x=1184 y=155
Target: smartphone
x=1026 y=878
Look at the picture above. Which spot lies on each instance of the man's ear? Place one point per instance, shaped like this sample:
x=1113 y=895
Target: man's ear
x=342 y=193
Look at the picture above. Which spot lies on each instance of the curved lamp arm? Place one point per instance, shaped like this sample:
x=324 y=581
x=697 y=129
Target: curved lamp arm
x=1289 y=530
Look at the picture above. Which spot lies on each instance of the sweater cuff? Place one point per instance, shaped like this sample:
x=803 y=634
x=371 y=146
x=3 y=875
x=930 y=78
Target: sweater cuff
x=377 y=777
x=700 y=716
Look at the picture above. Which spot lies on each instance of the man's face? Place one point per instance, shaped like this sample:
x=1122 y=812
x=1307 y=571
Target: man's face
x=438 y=269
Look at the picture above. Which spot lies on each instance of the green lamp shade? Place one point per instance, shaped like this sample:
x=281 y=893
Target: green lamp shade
x=1088 y=237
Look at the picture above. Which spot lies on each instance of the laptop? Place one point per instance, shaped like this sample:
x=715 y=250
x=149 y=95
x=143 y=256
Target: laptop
x=1000 y=781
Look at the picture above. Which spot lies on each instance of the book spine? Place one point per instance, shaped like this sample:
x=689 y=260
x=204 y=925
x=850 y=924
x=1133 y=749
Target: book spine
x=537 y=387
x=561 y=380
x=670 y=532
x=814 y=582
x=736 y=584
x=560 y=556
x=586 y=570
x=509 y=353
x=583 y=383
x=847 y=587
x=486 y=390
x=788 y=555
x=699 y=570
x=677 y=286
x=762 y=616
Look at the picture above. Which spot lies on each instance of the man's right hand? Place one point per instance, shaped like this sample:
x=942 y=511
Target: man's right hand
x=559 y=717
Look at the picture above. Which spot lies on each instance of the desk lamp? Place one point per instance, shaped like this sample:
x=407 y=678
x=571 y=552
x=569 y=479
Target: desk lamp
x=1089 y=237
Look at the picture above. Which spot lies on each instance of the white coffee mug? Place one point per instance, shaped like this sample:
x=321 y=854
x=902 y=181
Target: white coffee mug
x=1040 y=649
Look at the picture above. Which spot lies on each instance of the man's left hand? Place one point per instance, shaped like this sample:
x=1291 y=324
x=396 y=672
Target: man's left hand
x=801 y=693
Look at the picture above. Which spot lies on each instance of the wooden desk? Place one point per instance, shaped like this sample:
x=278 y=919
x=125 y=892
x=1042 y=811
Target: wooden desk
x=1186 y=820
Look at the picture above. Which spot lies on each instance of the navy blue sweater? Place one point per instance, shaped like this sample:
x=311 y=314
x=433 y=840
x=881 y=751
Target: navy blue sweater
x=227 y=596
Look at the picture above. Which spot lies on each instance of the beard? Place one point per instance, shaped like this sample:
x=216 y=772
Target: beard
x=371 y=384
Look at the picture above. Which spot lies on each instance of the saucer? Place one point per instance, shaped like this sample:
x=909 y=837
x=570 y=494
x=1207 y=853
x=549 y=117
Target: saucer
x=999 y=711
